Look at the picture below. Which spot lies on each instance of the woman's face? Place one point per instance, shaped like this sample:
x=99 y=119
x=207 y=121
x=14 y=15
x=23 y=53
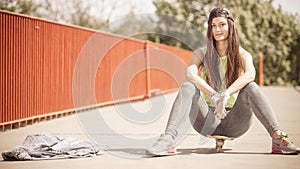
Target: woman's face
x=220 y=28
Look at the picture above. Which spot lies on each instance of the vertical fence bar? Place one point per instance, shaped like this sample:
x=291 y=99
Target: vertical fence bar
x=261 y=70
x=148 y=76
x=2 y=96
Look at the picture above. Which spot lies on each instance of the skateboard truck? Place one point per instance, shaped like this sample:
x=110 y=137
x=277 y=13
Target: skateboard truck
x=220 y=141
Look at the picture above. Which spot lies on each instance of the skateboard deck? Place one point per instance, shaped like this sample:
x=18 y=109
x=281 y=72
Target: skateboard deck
x=220 y=141
x=221 y=137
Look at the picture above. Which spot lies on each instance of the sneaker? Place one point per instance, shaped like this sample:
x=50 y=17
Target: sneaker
x=164 y=146
x=283 y=145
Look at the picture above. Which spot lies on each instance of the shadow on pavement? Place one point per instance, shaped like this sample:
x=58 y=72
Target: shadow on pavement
x=139 y=152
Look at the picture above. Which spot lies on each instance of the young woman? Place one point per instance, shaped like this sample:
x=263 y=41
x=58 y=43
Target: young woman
x=228 y=96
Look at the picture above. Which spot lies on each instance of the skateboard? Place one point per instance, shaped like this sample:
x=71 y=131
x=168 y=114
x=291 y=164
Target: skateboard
x=220 y=141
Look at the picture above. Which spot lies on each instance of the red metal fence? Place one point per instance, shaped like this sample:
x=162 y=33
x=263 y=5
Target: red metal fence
x=50 y=69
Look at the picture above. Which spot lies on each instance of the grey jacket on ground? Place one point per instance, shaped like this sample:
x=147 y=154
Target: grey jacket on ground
x=47 y=146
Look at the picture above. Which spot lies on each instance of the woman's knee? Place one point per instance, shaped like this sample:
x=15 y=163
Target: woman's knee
x=188 y=88
x=251 y=87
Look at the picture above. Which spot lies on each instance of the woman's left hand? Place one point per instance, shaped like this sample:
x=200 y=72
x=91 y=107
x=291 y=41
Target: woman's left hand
x=220 y=110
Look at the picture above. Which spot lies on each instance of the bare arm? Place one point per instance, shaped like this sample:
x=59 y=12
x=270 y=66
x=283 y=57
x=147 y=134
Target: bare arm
x=248 y=74
x=192 y=74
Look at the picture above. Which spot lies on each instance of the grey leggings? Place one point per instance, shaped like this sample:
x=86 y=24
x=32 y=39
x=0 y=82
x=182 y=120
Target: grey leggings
x=190 y=108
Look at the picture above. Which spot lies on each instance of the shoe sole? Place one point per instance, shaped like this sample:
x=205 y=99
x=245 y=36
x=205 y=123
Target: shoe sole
x=170 y=152
x=280 y=151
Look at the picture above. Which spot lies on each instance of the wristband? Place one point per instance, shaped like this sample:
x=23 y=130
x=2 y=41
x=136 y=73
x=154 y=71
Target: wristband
x=225 y=95
x=215 y=96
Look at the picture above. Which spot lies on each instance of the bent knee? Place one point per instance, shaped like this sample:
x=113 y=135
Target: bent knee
x=188 y=88
x=252 y=87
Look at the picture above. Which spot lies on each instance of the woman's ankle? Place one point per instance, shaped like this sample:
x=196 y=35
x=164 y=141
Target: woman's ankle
x=276 y=134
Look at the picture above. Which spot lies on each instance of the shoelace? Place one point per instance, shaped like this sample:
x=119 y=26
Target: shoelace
x=161 y=139
x=285 y=138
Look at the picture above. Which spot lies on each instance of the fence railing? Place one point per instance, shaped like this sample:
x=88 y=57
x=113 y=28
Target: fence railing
x=50 y=69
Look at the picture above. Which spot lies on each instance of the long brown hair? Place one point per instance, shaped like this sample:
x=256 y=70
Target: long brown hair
x=211 y=58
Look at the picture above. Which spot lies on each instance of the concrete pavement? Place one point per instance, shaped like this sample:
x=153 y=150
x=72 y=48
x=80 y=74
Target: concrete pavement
x=251 y=150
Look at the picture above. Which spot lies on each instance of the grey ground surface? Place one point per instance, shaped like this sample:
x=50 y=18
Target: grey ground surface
x=252 y=150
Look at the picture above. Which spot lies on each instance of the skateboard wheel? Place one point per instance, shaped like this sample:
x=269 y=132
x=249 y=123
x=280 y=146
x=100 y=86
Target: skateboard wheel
x=219 y=149
x=219 y=145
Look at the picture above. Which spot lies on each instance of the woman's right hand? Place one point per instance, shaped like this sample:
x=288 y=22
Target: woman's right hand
x=220 y=110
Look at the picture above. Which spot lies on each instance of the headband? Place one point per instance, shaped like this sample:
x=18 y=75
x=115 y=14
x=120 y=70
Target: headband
x=220 y=12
